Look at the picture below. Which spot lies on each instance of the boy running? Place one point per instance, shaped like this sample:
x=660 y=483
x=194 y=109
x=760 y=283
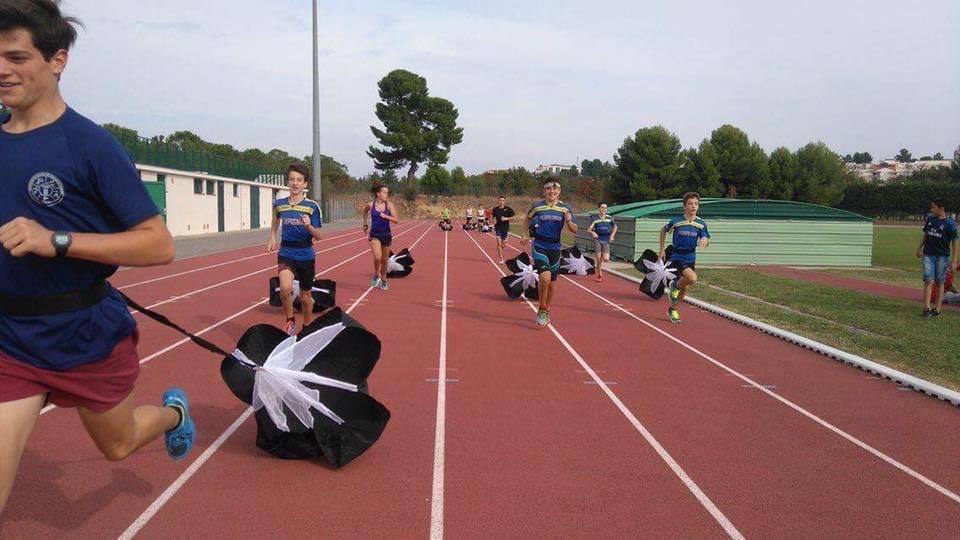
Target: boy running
x=301 y=222
x=545 y=221
x=689 y=233
x=604 y=230
x=73 y=209
x=502 y=214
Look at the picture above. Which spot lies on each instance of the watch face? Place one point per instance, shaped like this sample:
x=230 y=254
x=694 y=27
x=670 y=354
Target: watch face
x=61 y=239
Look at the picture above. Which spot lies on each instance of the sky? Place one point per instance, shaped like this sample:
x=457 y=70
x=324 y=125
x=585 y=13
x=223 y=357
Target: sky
x=534 y=82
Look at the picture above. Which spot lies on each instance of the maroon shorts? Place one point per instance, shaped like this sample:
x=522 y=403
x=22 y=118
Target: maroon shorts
x=99 y=386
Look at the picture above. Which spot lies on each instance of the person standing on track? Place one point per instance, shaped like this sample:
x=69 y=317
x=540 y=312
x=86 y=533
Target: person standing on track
x=545 y=222
x=469 y=215
x=381 y=213
x=689 y=233
x=604 y=230
x=73 y=209
x=502 y=214
x=300 y=221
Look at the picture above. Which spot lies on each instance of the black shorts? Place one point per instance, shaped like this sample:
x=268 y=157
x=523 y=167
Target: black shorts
x=546 y=260
x=502 y=233
x=681 y=265
x=303 y=271
x=385 y=240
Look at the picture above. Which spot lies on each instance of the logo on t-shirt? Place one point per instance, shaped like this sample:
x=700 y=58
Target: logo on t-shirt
x=46 y=189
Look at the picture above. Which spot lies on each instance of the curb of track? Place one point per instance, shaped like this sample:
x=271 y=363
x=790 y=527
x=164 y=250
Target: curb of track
x=860 y=362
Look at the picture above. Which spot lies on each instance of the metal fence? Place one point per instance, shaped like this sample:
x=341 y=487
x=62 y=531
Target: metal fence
x=163 y=154
x=339 y=209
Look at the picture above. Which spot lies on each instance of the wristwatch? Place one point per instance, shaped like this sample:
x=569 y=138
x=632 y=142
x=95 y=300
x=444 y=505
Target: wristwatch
x=61 y=241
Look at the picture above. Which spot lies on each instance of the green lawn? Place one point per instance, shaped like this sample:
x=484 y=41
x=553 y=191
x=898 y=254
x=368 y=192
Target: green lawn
x=885 y=330
x=896 y=247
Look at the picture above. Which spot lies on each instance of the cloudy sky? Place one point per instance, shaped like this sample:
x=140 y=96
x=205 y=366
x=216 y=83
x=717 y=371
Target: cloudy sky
x=535 y=82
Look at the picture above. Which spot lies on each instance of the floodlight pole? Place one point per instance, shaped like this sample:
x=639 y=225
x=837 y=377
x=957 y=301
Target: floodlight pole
x=317 y=195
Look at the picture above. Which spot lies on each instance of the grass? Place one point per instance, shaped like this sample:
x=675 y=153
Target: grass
x=886 y=330
x=896 y=247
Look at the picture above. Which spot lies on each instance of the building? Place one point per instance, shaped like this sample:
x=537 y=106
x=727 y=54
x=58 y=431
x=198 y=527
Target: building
x=198 y=203
x=746 y=232
x=889 y=169
x=553 y=168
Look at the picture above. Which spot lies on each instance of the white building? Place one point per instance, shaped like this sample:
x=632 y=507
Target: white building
x=553 y=168
x=889 y=169
x=198 y=203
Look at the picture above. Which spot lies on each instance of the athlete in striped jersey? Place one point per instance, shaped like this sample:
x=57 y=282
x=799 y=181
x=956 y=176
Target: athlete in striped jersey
x=299 y=221
x=689 y=233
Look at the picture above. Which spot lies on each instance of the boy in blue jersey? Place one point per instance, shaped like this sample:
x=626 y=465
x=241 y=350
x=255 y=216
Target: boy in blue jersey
x=689 y=233
x=939 y=235
x=545 y=222
x=604 y=230
x=73 y=209
x=299 y=221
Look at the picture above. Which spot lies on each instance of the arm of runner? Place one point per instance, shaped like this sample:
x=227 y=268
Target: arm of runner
x=366 y=213
x=571 y=222
x=663 y=239
x=525 y=233
x=394 y=217
x=274 y=225
x=314 y=230
x=923 y=237
x=591 y=231
x=145 y=244
x=613 y=234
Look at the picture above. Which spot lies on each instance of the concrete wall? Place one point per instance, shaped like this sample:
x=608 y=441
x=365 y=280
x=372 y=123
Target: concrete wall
x=188 y=213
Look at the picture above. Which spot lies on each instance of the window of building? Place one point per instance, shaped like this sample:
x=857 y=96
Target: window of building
x=198 y=186
x=236 y=190
x=161 y=178
x=211 y=188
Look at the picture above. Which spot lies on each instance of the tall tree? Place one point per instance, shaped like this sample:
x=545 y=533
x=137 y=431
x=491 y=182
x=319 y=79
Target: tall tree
x=417 y=127
x=821 y=175
x=938 y=156
x=701 y=170
x=648 y=166
x=783 y=174
x=739 y=163
x=904 y=156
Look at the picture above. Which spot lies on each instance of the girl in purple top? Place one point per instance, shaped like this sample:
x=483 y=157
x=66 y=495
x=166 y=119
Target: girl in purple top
x=381 y=213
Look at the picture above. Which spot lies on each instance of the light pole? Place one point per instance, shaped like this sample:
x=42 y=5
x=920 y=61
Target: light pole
x=317 y=195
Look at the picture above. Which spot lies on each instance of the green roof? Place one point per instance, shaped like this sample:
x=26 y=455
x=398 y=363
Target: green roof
x=752 y=209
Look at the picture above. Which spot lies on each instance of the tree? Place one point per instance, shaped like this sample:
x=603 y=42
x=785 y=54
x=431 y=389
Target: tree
x=955 y=166
x=938 y=156
x=742 y=166
x=904 y=156
x=783 y=174
x=436 y=181
x=701 y=170
x=821 y=175
x=848 y=159
x=648 y=166
x=122 y=133
x=458 y=180
x=417 y=127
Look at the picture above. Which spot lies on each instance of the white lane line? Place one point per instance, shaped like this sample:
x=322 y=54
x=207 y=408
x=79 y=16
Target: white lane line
x=436 y=505
x=176 y=344
x=222 y=283
x=173 y=488
x=692 y=486
x=884 y=457
x=161 y=278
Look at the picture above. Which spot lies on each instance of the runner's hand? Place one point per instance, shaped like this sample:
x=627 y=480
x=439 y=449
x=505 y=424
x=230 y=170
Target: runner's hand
x=305 y=220
x=703 y=242
x=272 y=244
x=663 y=255
x=919 y=252
x=24 y=236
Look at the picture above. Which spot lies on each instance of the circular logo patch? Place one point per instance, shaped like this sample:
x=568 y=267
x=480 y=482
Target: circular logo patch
x=46 y=189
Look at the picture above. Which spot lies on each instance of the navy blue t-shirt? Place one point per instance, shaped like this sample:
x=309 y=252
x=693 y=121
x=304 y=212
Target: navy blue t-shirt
x=292 y=229
x=603 y=228
x=70 y=175
x=937 y=236
x=686 y=236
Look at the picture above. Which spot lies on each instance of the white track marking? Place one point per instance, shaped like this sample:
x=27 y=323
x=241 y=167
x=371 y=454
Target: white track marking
x=439 y=442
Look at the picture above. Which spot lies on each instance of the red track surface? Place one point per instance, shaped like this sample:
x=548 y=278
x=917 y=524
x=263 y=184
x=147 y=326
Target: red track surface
x=861 y=285
x=533 y=446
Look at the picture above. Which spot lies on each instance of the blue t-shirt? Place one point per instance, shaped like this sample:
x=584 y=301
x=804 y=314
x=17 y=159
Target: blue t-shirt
x=379 y=226
x=686 y=234
x=937 y=235
x=547 y=223
x=292 y=229
x=604 y=228
x=70 y=175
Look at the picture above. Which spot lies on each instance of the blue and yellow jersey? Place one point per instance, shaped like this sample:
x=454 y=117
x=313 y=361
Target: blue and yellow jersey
x=292 y=232
x=604 y=228
x=547 y=223
x=686 y=234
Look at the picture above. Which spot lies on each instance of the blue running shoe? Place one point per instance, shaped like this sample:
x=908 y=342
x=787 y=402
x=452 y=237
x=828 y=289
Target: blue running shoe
x=374 y=281
x=383 y=285
x=179 y=440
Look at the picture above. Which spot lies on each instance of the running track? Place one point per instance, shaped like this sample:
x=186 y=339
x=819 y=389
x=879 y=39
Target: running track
x=610 y=423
